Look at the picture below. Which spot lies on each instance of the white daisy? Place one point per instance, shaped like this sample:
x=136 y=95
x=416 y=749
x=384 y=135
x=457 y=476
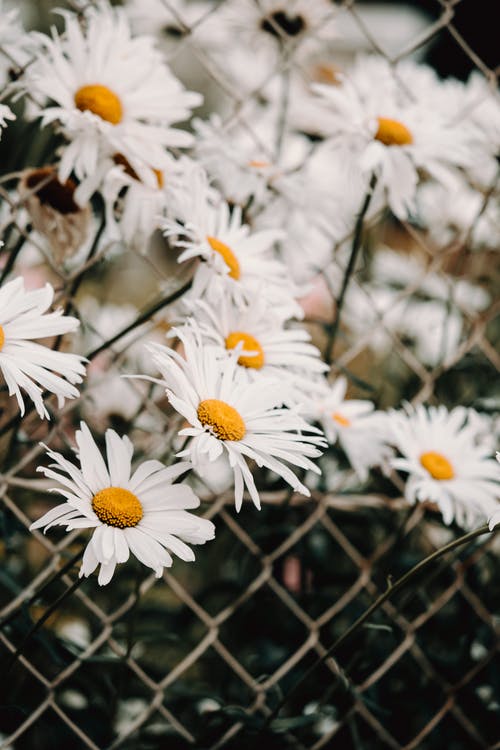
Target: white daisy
x=239 y=263
x=400 y=270
x=26 y=364
x=355 y=425
x=265 y=346
x=242 y=160
x=376 y=123
x=474 y=106
x=265 y=26
x=113 y=94
x=459 y=215
x=446 y=463
x=141 y=512
x=431 y=320
x=172 y=22
x=265 y=33
x=231 y=417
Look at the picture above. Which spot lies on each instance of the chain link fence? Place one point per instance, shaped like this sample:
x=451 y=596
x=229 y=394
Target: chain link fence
x=204 y=657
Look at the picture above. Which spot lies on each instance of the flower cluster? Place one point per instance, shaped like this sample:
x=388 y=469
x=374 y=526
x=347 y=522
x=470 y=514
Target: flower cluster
x=262 y=220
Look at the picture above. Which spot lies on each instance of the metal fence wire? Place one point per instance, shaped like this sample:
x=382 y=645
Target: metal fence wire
x=202 y=658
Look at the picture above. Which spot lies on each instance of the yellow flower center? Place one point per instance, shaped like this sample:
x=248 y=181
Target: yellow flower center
x=2 y=338
x=101 y=101
x=227 y=256
x=437 y=465
x=57 y=195
x=341 y=420
x=392 y=132
x=224 y=420
x=115 y=506
x=250 y=344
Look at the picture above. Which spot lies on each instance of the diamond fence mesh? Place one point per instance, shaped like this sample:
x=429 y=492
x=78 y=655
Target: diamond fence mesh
x=203 y=658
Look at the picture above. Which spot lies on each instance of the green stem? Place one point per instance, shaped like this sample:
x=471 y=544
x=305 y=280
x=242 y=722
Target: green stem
x=355 y=248
x=155 y=307
x=391 y=590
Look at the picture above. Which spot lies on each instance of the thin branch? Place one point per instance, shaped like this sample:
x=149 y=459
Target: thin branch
x=355 y=248
x=154 y=308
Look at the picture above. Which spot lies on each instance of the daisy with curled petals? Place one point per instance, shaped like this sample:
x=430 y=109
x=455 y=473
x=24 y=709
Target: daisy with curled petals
x=238 y=263
x=264 y=345
x=230 y=417
x=141 y=513
x=355 y=425
x=375 y=123
x=446 y=463
x=27 y=365
x=112 y=95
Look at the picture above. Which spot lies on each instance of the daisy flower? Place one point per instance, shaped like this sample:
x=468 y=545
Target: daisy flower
x=238 y=262
x=264 y=345
x=26 y=364
x=268 y=24
x=375 y=123
x=142 y=513
x=473 y=105
x=231 y=417
x=459 y=215
x=355 y=425
x=172 y=22
x=111 y=93
x=242 y=160
x=267 y=32
x=445 y=462
x=431 y=319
